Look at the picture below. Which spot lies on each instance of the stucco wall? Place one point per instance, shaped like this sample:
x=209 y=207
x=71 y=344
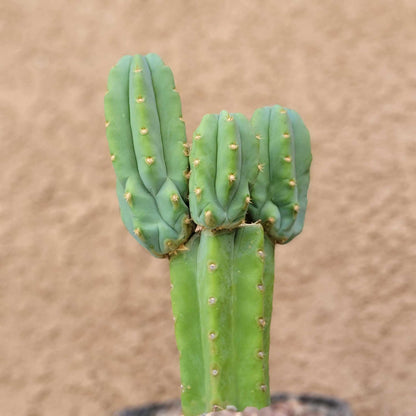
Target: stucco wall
x=85 y=321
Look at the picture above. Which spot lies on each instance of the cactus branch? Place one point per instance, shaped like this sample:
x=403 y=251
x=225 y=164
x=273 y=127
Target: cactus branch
x=279 y=195
x=146 y=135
x=224 y=160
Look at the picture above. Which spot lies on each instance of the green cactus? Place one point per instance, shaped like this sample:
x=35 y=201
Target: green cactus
x=247 y=191
x=147 y=140
x=222 y=328
x=279 y=195
x=224 y=159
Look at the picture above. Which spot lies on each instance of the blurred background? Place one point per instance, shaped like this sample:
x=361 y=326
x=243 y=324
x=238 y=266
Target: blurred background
x=85 y=319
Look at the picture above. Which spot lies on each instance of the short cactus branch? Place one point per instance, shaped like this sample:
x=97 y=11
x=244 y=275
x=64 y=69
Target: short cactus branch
x=248 y=183
x=224 y=160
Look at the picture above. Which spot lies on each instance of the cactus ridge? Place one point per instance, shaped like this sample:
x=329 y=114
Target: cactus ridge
x=224 y=159
x=279 y=194
x=143 y=124
x=222 y=330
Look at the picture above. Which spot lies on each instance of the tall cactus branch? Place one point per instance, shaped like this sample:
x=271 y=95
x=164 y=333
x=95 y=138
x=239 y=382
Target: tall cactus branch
x=223 y=328
x=247 y=191
x=146 y=136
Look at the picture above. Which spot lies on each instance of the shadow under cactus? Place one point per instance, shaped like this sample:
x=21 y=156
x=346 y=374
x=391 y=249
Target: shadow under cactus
x=282 y=404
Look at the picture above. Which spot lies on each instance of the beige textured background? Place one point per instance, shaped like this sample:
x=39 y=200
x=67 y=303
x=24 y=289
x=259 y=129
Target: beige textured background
x=85 y=321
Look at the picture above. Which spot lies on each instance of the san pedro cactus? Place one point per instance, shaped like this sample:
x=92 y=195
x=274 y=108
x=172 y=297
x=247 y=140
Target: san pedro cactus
x=216 y=212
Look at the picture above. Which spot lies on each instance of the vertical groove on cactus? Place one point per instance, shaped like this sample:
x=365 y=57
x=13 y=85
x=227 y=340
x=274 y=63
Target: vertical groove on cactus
x=227 y=178
x=223 y=276
x=145 y=126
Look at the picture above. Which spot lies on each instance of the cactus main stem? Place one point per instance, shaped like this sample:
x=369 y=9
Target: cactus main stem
x=222 y=289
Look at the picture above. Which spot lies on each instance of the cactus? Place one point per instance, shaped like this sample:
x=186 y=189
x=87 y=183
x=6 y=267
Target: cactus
x=147 y=140
x=247 y=191
x=279 y=193
x=224 y=160
x=222 y=328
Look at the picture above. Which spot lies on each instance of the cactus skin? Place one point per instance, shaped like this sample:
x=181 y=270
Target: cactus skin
x=144 y=126
x=224 y=162
x=222 y=329
x=223 y=273
x=279 y=195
